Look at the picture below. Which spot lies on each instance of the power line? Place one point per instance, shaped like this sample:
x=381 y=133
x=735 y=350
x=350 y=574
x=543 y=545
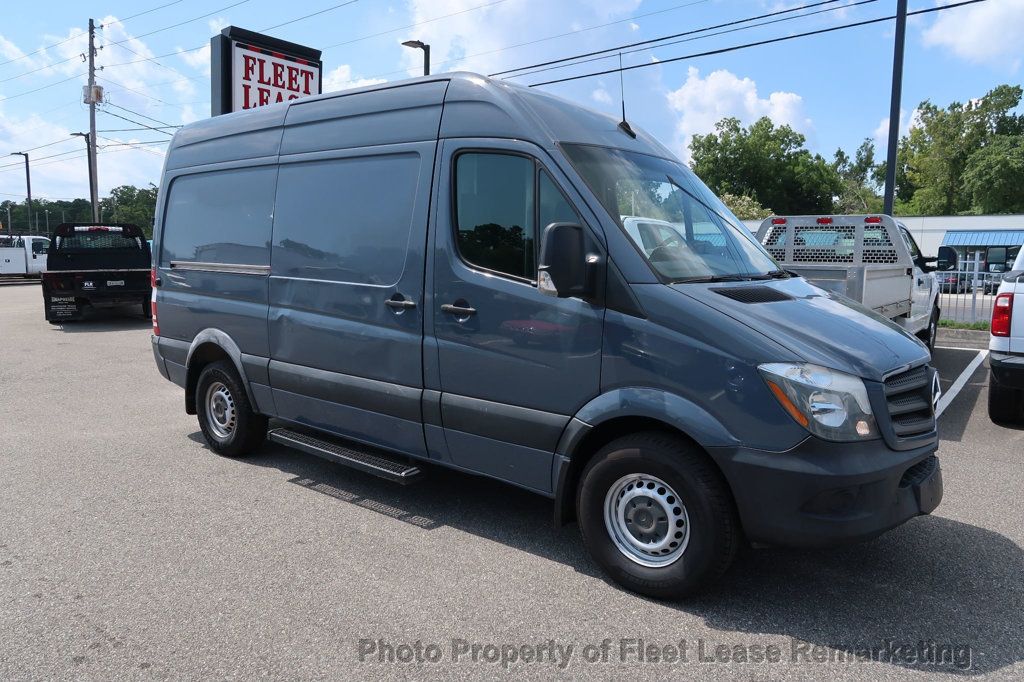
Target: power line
x=182 y=23
x=421 y=23
x=41 y=158
x=50 y=144
x=663 y=38
x=125 y=118
x=758 y=43
x=29 y=92
x=307 y=16
x=545 y=39
x=126 y=130
x=129 y=18
x=135 y=113
x=560 y=63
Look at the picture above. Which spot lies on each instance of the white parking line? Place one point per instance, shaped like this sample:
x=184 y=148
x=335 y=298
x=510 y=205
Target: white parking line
x=959 y=384
x=973 y=350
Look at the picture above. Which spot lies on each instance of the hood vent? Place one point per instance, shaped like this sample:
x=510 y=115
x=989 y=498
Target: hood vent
x=754 y=294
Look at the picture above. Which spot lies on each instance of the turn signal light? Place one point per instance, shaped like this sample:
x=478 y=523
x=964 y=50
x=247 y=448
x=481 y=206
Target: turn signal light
x=1002 y=315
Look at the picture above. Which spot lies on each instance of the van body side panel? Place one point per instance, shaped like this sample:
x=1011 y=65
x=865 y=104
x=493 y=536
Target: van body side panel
x=346 y=287
x=409 y=113
x=213 y=256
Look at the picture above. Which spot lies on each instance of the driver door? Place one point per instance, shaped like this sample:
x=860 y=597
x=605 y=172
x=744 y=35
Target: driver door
x=514 y=364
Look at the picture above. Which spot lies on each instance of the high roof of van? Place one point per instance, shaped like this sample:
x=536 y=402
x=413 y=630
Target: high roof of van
x=452 y=105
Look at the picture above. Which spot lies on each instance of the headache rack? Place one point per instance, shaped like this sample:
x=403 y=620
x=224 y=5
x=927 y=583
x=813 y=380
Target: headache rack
x=862 y=257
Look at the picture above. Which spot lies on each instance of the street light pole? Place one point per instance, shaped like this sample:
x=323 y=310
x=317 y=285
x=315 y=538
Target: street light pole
x=420 y=45
x=894 y=106
x=28 y=185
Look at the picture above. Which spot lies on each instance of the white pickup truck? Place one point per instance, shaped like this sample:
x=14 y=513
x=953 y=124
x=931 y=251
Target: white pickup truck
x=870 y=258
x=1006 y=348
x=22 y=256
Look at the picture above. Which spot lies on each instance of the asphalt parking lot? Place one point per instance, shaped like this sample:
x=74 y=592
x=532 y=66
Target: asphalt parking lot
x=129 y=550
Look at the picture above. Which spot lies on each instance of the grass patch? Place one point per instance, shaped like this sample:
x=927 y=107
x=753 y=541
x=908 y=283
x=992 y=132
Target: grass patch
x=977 y=326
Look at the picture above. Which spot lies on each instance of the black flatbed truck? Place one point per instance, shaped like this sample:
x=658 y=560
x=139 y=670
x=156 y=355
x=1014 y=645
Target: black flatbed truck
x=95 y=265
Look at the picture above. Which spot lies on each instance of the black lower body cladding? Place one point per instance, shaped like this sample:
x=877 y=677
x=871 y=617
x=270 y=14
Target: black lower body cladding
x=823 y=494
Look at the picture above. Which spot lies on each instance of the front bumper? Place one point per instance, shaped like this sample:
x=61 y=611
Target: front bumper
x=1007 y=369
x=822 y=493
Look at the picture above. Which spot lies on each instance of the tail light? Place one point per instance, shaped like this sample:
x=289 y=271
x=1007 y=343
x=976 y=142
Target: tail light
x=873 y=220
x=152 y=301
x=1002 y=315
x=778 y=221
x=824 y=221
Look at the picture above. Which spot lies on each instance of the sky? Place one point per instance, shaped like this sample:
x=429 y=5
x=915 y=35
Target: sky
x=833 y=87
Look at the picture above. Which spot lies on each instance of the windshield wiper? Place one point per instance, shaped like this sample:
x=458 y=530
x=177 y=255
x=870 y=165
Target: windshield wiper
x=711 y=279
x=773 y=274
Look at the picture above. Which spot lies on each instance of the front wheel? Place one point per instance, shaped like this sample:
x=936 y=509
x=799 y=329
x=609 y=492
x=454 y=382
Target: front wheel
x=930 y=334
x=228 y=422
x=657 y=516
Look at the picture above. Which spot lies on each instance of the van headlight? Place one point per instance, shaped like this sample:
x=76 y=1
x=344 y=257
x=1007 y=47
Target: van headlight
x=830 y=404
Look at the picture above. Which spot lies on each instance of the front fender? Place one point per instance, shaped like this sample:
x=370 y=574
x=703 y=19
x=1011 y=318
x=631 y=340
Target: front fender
x=669 y=408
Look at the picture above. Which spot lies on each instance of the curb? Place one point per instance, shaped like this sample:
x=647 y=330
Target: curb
x=962 y=338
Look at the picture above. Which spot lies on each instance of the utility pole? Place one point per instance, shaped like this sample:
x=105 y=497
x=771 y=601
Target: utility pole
x=894 y=106
x=10 y=228
x=28 y=186
x=93 y=95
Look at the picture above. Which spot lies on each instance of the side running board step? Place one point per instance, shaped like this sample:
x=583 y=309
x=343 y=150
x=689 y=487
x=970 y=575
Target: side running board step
x=353 y=455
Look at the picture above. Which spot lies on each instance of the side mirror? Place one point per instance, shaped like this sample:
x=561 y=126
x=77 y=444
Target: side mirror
x=564 y=266
x=947 y=258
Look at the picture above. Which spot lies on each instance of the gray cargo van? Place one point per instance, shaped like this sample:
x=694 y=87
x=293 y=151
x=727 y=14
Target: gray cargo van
x=439 y=271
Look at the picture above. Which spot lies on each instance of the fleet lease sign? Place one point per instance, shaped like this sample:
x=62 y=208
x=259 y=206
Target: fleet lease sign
x=263 y=77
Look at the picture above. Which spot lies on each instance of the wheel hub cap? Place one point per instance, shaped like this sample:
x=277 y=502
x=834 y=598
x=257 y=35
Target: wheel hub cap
x=220 y=410
x=646 y=520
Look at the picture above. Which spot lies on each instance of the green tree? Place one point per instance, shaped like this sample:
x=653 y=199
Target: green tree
x=994 y=177
x=767 y=163
x=128 y=204
x=744 y=207
x=938 y=150
x=858 y=189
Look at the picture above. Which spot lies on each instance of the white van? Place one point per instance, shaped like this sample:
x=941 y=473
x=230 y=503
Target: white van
x=22 y=256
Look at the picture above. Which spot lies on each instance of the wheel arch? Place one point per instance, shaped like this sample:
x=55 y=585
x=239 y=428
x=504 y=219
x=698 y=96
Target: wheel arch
x=619 y=413
x=211 y=345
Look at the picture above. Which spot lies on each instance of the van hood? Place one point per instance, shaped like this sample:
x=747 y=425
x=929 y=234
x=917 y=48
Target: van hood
x=821 y=327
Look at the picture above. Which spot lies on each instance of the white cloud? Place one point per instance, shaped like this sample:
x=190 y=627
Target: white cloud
x=881 y=134
x=341 y=78
x=702 y=102
x=988 y=32
x=601 y=95
x=474 y=40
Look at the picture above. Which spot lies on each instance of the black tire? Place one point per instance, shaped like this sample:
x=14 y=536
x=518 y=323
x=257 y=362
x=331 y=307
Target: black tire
x=714 y=528
x=931 y=332
x=1005 y=404
x=232 y=437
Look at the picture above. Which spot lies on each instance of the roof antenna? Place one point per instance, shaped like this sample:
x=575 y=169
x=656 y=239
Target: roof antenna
x=623 y=124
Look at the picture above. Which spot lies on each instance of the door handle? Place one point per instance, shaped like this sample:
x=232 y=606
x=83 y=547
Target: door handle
x=400 y=303
x=458 y=310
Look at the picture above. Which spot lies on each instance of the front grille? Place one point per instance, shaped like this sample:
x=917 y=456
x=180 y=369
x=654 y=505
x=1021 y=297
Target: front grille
x=909 y=398
x=919 y=472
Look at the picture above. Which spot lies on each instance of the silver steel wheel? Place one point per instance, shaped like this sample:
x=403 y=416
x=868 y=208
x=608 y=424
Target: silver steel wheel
x=221 y=416
x=646 y=520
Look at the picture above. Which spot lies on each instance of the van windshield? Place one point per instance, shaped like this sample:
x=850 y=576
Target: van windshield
x=683 y=230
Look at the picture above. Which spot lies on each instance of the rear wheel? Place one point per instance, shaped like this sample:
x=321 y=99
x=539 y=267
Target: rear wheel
x=656 y=515
x=1005 y=405
x=226 y=417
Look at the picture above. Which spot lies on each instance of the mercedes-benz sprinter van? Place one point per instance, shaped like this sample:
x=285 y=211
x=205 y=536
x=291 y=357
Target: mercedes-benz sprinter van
x=463 y=272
